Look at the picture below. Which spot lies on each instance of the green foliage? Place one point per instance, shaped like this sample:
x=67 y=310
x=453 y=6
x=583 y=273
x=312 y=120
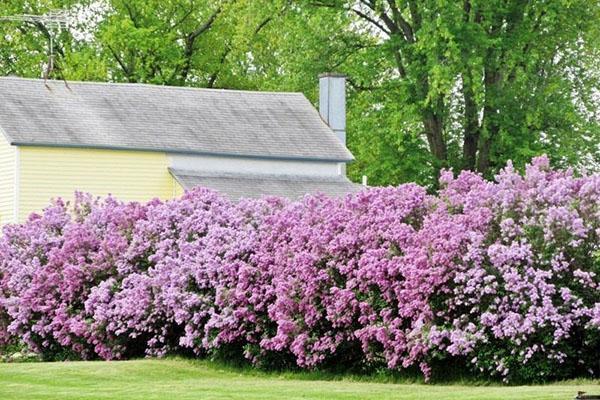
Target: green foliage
x=17 y=352
x=432 y=83
x=471 y=84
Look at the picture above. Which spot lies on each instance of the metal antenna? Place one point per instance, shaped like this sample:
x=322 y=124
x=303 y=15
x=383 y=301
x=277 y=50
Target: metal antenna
x=53 y=20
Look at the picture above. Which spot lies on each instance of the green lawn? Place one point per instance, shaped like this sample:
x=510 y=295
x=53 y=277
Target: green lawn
x=183 y=379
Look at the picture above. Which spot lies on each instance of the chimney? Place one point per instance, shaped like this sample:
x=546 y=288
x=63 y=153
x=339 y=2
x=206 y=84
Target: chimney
x=332 y=102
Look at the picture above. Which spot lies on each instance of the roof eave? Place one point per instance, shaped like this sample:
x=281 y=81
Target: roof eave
x=179 y=151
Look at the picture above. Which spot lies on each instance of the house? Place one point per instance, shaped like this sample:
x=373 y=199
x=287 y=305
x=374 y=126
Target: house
x=138 y=142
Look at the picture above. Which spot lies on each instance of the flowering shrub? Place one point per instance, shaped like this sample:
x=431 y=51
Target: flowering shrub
x=50 y=264
x=356 y=276
x=502 y=275
x=524 y=298
x=183 y=259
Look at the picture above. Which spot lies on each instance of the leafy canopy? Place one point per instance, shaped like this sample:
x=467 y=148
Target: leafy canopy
x=465 y=84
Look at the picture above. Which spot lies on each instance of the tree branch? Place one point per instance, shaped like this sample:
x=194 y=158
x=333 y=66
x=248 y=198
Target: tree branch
x=120 y=62
x=190 y=41
x=400 y=21
x=205 y=26
x=185 y=16
x=371 y=20
x=131 y=14
x=213 y=77
x=414 y=15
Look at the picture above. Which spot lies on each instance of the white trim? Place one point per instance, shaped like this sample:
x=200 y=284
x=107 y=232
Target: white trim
x=17 y=185
x=252 y=165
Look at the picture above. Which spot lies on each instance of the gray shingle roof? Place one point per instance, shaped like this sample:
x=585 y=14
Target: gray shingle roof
x=236 y=186
x=161 y=118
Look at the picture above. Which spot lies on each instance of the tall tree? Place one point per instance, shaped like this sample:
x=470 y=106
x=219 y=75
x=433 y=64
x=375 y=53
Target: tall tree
x=173 y=42
x=432 y=83
x=487 y=80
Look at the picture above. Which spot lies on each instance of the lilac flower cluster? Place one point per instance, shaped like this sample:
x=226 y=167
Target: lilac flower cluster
x=502 y=275
x=523 y=300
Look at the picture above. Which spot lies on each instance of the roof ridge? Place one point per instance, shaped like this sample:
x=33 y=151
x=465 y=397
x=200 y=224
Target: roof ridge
x=150 y=85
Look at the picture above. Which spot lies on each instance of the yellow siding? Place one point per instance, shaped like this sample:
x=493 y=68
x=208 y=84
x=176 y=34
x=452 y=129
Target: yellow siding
x=7 y=181
x=46 y=173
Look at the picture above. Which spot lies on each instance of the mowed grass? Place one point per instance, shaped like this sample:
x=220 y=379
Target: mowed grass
x=186 y=379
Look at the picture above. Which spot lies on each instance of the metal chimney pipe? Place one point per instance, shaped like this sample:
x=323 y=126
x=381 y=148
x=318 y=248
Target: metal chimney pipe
x=332 y=102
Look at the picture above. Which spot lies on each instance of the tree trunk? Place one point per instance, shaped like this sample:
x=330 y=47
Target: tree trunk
x=492 y=79
x=434 y=131
x=471 y=135
x=433 y=123
x=491 y=131
x=483 y=161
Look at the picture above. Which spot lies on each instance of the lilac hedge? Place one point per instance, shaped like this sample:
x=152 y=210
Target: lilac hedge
x=501 y=277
